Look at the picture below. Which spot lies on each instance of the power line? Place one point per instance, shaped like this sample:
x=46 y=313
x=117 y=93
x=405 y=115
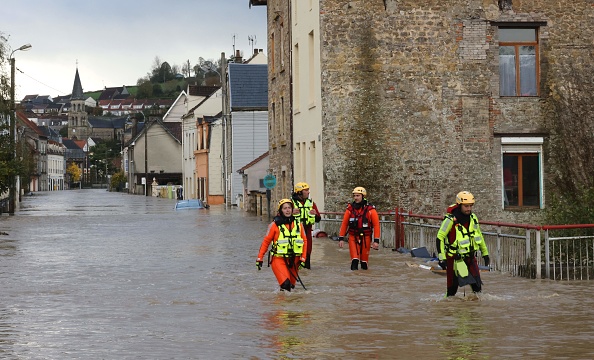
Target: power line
x=32 y=78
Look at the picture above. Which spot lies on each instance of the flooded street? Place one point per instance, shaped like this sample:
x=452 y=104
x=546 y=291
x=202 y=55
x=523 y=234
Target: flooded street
x=90 y=274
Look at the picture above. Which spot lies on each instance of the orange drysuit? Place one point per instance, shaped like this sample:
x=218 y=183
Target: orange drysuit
x=361 y=222
x=285 y=267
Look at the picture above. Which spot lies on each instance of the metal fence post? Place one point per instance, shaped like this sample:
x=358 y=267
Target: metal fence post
x=528 y=248
x=498 y=254
x=538 y=254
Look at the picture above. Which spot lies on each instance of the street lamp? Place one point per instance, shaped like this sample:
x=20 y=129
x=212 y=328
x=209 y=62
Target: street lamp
x=13 y=177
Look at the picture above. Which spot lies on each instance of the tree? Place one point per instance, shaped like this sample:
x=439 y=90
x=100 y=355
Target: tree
x=571 y=141
x=8 y=163
x=145 y=89
x=74 y=172
x=118 y=180
x=211 y=70
x=187 y=69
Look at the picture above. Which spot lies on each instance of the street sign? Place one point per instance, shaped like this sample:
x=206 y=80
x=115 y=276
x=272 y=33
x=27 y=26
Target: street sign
x=269 y=181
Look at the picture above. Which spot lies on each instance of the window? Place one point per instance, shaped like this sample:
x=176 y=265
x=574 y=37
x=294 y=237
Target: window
x=522 y=172
x=518 y=61
x=271 y=59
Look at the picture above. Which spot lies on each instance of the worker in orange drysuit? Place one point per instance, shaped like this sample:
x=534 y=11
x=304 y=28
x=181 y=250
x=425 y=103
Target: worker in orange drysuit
x=289 y=244
x=361 y=221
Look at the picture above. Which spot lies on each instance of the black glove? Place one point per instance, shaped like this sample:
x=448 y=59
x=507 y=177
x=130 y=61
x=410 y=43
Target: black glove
x=341 y=238
x=259 y=265
x=376 y=241
x=487 y=260
x=442 y=264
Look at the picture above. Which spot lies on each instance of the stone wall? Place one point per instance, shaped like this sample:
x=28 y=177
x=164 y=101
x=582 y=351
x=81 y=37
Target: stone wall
x=410 y=94
x=279 y=97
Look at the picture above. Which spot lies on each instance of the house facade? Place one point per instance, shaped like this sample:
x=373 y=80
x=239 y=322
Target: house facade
x=202 y=145
x=208 y=184
x=56 y=166
x=154 y=153
x=419 y=100
x=248 y=121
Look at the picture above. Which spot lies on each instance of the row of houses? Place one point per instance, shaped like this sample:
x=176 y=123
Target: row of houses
x=412 y=100
x=114 y=101
x=184 y=145
x=221 y=130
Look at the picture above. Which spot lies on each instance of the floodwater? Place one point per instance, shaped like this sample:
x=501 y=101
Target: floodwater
x=89 y=274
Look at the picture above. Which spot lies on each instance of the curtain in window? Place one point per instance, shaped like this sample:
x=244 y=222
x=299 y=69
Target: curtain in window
x=507 y=71
x=528 y=71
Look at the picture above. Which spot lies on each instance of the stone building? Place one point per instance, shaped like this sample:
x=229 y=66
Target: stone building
x=420 y=99
x=279 y=96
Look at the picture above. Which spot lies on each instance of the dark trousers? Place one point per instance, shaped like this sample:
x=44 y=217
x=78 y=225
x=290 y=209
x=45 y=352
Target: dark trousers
x=452 y=279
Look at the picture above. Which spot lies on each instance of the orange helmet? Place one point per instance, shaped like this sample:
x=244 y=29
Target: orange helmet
x=465 y=197
x=360 y=190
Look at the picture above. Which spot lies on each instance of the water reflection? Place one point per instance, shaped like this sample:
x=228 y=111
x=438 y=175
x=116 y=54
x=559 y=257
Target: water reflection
x=286 y=327
x=464 y=339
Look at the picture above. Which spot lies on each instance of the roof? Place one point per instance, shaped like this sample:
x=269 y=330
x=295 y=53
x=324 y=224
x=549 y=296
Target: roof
x=70 y=144
x=30 y=124
x=172 y=128
x=257 y=2
x=197 y=90
x=107 y=123
x=77 y=90
x=253 y=162
x=248 y=86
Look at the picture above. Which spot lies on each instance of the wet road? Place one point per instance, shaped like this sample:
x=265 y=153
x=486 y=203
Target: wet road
x=89 y=274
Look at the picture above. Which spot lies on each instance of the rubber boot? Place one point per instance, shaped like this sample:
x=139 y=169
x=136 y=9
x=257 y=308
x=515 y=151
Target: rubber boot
x=452 y=290
x=363 y=265
x=286 y=285
x=355 y=264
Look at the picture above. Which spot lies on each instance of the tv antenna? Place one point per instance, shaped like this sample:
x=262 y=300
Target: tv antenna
x=252 y=41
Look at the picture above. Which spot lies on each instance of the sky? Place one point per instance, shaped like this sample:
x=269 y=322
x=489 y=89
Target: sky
x=115 y=42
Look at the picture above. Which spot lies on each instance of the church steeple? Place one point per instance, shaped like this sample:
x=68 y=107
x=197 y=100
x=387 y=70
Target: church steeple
x=77 y=91
x=78 y=125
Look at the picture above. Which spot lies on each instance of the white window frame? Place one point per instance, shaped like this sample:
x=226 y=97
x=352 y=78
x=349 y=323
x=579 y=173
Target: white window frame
x=524 y=144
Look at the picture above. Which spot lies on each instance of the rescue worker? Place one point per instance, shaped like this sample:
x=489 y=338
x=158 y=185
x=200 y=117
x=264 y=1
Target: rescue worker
x=361 y=221
x=307 y=213
x=288 y=240
x=458 y=239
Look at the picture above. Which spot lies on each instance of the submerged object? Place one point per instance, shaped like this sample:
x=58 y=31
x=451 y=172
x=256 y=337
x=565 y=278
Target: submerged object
x=190 y=204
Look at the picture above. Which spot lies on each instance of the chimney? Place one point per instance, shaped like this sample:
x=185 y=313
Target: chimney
x=238 y=58
x=134 y=126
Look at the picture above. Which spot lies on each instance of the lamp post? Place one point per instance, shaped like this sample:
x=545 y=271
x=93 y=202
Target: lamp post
x=13 y=177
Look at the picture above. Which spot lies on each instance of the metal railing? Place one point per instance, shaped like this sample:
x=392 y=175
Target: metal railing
x=515 y=249
x=570 y=254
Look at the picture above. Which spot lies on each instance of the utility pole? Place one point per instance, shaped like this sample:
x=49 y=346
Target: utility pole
x=12 y=190
x=146 y=126
x=13 y=178
x=225 y=128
